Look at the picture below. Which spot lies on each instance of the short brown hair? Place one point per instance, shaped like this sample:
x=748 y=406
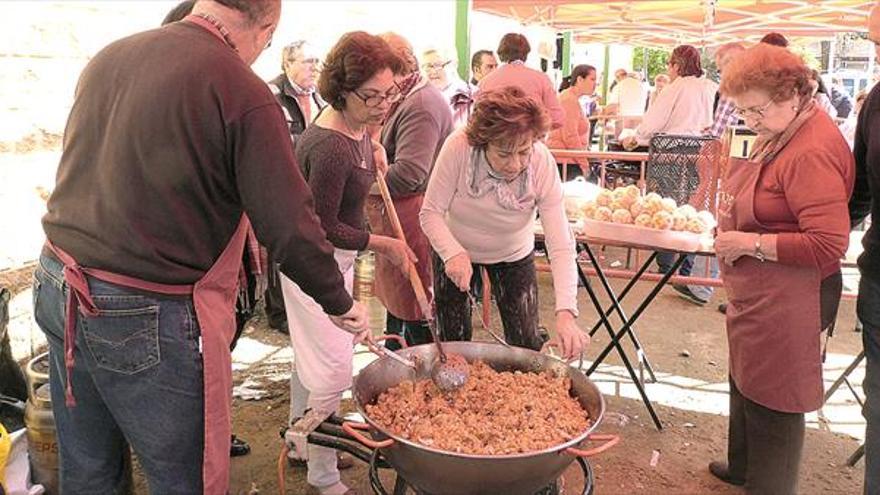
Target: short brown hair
x=687 y=58
x=356 y=57
x=768 y=68
x=506 y=115
x=775 y=39
x=513 y=46
x=402 y=47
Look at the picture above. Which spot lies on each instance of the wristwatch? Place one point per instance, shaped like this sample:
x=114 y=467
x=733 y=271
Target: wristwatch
x=758 y=253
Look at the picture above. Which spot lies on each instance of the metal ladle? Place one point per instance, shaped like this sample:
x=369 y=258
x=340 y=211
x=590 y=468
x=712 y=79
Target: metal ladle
x=483 y=316
x=446 y=376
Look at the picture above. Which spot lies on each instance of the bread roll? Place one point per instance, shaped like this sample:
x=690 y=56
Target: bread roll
x=662 y=220
x=643 y=220
x=696 y=226
x=637 y=207
x=653 y=204
x=679 y=220
x=603 y=214
x=688 y=211
x=622 y=216
x=588 y=209
x=633 y=191
x=707 y=218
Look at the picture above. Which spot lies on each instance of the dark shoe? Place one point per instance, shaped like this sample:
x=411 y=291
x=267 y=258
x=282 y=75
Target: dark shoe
x=238 y=447
x=688 y=295
x=722 y=308
x=280 y=326
x=722 y=472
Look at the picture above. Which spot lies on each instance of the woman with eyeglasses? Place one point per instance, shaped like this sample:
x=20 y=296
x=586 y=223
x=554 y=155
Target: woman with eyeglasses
x=490 y=180
x=783 y=227
x=336 y=157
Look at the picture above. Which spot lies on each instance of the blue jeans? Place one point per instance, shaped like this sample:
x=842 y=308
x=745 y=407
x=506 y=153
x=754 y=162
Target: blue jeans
x=665 y=260
x=137 y=382
x=868 y=309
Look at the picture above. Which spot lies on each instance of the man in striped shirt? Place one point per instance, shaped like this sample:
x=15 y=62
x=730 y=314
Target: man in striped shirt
x=724 y=107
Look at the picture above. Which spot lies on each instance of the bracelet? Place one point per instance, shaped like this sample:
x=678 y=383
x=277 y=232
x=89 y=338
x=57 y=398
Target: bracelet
x=758 y=253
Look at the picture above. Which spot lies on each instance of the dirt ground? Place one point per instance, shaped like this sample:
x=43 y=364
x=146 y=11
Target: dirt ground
x=687 y=347
x=685 y=343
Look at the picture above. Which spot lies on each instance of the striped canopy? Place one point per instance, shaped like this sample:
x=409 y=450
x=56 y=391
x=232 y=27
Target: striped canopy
x=663 y=23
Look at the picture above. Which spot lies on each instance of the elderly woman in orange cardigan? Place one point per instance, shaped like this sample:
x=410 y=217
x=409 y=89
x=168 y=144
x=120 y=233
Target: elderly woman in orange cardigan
x=783 y=227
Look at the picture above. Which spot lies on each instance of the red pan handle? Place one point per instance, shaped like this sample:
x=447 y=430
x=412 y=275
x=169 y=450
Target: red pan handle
x=610 y=441
x=400 y=340
x=351 y=428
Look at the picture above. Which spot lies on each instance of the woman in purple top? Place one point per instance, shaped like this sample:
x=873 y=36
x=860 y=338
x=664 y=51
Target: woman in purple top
x=336 y=156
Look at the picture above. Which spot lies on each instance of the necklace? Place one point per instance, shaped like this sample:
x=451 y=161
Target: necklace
x=355 y=135
x=227 y=37
x=360 y=140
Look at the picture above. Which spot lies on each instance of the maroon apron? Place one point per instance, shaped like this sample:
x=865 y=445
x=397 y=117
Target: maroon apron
x=773 y=314
x=392 y=285
x=214 y=302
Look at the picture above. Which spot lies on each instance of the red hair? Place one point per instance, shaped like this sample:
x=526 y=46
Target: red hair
x=764 y=67
x=687 y=58
x=506 y=115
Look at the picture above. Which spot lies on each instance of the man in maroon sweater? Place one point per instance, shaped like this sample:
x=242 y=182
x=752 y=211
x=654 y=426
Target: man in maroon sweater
x=170 y=141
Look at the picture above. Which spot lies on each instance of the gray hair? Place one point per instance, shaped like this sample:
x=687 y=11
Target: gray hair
x=255 y=11
x=289 y=52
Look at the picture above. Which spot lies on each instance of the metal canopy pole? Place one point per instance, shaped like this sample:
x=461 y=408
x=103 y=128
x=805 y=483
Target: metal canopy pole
x=463 y=38
x=606 y=70
x=566 y=54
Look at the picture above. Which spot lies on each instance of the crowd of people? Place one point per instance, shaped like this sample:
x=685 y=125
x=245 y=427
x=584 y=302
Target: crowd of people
x=165 y=209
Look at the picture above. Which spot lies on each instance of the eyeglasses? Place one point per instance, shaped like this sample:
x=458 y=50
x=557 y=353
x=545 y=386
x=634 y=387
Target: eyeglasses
x=376 y=100
x=435 y=65
x=309 y=62
x=743 y=113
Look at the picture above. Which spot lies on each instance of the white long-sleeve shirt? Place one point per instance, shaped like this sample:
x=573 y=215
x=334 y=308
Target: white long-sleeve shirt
x=684 y=107
x=455 y=221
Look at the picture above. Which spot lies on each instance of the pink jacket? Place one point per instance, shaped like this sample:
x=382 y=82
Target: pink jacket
x=575 y=130
x=534 y=83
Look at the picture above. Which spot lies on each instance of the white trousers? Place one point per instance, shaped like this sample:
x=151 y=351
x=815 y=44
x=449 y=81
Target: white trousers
x=322 y=363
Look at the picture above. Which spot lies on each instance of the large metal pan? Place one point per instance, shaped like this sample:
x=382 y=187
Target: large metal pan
x=438 y=472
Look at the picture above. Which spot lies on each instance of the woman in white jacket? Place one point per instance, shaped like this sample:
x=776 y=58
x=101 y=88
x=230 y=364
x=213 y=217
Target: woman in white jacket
x=684 y=106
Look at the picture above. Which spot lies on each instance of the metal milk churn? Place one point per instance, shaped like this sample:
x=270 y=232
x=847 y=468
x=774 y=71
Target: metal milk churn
x=40 y=423
x=364 y=277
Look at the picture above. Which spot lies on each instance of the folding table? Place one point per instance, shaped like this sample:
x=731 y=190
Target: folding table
x=627 y=327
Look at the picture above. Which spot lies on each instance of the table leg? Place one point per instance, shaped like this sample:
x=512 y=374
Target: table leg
x=638 y=312
x=629 y=285
x=615 y=343
x=615 y=304
x=854 y=458
x=843 y=376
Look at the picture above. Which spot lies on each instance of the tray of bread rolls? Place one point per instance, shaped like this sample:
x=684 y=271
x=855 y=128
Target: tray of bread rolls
x=627 y=216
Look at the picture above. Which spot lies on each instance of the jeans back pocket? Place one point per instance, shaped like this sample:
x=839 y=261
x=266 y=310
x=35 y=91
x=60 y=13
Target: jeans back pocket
x=124 y=337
